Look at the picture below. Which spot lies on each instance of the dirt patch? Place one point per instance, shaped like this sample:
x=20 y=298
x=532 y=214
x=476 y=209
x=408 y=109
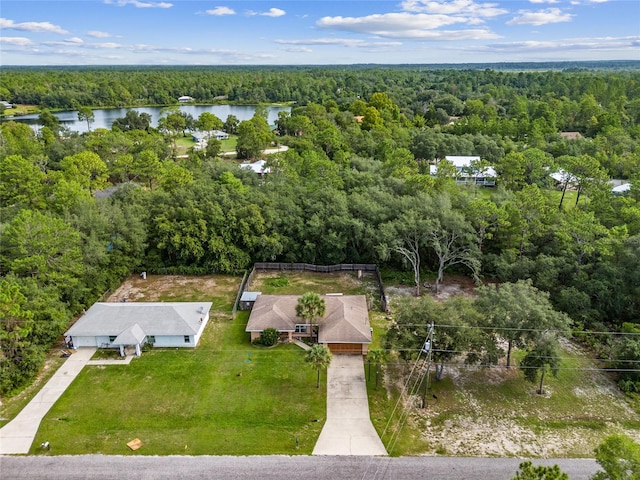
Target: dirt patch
x=495 y=412
x=154 y=287
x=297 y=283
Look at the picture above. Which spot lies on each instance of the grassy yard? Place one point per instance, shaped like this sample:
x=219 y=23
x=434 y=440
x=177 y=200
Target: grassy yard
x=20 y=110
x=297 y=283
x=226 y=397
x=11 y=406
x=229 y=145
x=229 y=397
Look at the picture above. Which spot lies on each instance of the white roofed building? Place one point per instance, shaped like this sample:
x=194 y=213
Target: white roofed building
x=161 y=324
x=468 y=172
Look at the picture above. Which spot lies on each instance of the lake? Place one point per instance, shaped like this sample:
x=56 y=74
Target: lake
x=104 y=118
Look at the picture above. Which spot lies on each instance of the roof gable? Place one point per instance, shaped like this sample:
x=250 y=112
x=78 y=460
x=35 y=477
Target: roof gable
x=131 y=336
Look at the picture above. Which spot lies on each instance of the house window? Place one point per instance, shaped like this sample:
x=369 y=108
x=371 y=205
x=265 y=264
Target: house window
x=151 y=339
x=187 y=339
x=301 y=328
x=112 y=338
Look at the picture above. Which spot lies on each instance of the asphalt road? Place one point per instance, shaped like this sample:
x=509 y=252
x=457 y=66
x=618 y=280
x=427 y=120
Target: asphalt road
x=88 y=467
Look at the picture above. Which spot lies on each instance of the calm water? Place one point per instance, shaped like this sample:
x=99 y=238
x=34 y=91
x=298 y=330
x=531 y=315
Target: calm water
x=104 y=118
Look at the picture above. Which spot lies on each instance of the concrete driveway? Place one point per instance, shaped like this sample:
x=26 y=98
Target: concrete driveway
x=17 y=435
x=348 y=429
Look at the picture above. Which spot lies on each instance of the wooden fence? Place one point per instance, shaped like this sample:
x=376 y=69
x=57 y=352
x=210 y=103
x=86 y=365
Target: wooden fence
x=307 y=267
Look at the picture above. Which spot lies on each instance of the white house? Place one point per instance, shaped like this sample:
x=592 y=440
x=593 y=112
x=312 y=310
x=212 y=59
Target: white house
x=467 y=173
x=258 y=167
x=219 y=135
x=161 y=324
x=185 y=99
x=621 y=189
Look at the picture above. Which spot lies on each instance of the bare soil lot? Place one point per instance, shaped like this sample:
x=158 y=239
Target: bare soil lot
x=221 y=290
x=494 y=412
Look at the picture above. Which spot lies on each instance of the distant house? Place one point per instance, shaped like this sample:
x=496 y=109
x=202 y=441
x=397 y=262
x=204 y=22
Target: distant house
x=6 y=104
x=621 y=189
x=132 y=324
x=219 y=135
x=467 y=173
x=571 y=135
x=344 y=328
x=561 y=177
x=185 y=99
x=258 y=167
x=202 y=137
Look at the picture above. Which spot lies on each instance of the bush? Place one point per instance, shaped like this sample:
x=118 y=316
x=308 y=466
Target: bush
x=270 y=337
x=277 y=282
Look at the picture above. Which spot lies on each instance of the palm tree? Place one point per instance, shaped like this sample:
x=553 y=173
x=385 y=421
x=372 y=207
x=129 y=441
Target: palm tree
x=319 y=357
x=310 y=306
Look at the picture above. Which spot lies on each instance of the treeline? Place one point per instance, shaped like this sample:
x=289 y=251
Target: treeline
x=413 y=88
x=80 y=212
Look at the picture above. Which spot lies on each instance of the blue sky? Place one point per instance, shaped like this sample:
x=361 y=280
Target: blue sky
x=219 y=32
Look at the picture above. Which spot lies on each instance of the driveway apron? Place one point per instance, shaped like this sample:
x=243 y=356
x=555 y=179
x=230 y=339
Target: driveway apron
x=17 y=436
x=348 y=429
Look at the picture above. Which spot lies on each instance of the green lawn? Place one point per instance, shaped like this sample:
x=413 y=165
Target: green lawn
x=229 y=145
x=226 y=397
x=11 y=406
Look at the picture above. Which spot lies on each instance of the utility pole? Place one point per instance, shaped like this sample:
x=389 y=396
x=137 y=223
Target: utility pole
x=428 y=348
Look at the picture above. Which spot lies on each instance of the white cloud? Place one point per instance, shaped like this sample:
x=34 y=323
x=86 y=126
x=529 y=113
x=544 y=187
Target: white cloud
x=455 y=7
x=544 y=1
x=629 y=44
x=541 y=17
x=98 y=34
x=298 y=49
x=104 y=46
x=74 y=40
x=138 y=3
x=388 y=22
x=18 y=41
x=35 y=27
x=272 y=12
x=220 y=11
x=407 y=25
x=347 y=42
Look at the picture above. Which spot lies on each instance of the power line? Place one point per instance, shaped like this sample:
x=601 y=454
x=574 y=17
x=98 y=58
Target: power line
x=539 y=330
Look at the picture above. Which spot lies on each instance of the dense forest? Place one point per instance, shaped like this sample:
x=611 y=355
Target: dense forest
x=81 y=212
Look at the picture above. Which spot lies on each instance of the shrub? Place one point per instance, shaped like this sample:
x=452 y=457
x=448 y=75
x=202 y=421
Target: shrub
x=277 y=282
x=270 y=337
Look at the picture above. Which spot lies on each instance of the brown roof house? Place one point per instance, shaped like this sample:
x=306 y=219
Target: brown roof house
x=344 y=328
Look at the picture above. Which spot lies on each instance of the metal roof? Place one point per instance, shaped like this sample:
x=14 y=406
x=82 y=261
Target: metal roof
x=249 y=296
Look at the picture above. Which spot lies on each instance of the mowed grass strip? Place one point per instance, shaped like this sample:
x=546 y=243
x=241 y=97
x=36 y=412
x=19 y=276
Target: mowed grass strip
x=226 y=397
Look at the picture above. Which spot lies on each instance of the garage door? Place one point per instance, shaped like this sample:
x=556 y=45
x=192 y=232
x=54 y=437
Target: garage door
x=353 y=348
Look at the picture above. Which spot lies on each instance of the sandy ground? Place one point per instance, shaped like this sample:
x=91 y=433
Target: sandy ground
x=155 y=286
x=474 y=433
